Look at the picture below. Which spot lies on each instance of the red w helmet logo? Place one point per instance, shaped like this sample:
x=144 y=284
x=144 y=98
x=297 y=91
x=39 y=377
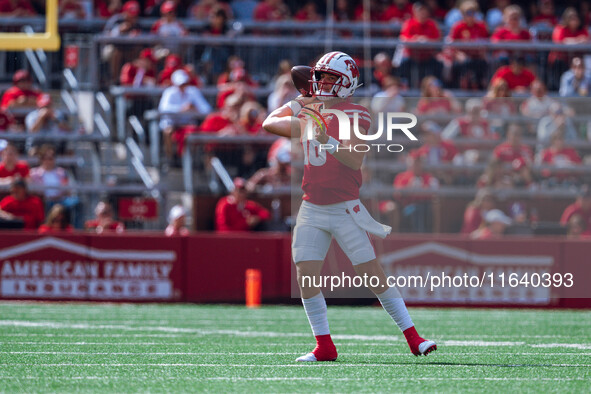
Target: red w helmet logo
x=356 y=208
x=353 y=67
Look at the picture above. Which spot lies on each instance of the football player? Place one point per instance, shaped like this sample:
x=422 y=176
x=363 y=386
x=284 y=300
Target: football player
x=331 y=206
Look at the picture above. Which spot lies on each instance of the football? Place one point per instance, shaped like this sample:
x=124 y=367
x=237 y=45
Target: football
x=301 y=75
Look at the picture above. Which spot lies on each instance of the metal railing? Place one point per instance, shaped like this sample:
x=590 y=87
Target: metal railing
x=199 y=140
x=350 y=42
x=262 y=54
x=152 y=117
x=103 y=109
x=95 y=25
x=52 y=136
x=37 y=60
x=136 y=159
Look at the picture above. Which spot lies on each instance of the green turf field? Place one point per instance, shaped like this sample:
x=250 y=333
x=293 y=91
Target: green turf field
x=186 y=348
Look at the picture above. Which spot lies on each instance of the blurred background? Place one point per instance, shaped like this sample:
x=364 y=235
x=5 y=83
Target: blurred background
x=479 y=75
x=148 y=118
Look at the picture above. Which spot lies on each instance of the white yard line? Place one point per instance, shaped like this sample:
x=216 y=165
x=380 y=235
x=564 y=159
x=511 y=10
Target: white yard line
x=441 y=343
x=83 y=326
x=459 y=337
x=265 y=334
x=559 y=345
x=390 y=379
x=101 y=343
x=299 y=365
x=47 y=335
x=279 y=378
x=405 y=354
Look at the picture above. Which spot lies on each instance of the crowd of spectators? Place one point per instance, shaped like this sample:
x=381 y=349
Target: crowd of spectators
x=535 y=151
x=462 y=21
x=508 y=164
x=51 y=202
x=530 y=143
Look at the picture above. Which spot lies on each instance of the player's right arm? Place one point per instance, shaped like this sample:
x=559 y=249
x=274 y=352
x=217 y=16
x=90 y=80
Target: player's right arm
x=282 y=121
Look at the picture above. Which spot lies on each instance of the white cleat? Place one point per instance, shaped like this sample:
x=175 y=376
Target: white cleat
x=310 y=357
x=427 y=347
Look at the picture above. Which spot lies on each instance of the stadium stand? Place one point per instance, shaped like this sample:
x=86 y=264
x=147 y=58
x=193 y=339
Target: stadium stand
x=476 y=76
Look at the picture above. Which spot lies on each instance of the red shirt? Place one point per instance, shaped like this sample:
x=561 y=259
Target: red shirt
x=252 y=128
x=224 y=94
x=478 y=129
x=575 y=209
x=13 y=93
x=504 y=34
x=412 y=29
x=6 y=120
x=237 y=76
x=408 y=179
x=44 y=229
x=461 y=31
x=102 y=9
x=434 y=105
x=30 y=210
x=564 y=156
x=304 y=16
x=472 y=219
x=397 y=14
x=524 y=79
x=551 y=20
x=130 y=71
x=264 y=12
x=559 y=34
x=215 y=122
x=326 y=180
x=506 y=153
x=229 y=216
x=444 y=153
x=21 y=168
x=72 y=7
x=93 y=224
x=7 y=7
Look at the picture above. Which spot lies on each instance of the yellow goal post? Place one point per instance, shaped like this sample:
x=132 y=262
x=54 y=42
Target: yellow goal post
x=49 y=41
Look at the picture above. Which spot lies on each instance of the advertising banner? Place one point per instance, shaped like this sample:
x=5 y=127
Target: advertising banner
x=80 y=267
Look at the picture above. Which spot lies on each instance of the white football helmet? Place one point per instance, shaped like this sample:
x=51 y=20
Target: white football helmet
x=341 y=65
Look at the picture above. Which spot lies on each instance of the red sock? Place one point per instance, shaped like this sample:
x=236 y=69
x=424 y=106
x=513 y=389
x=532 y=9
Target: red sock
x=413 y=339
x=325 y=350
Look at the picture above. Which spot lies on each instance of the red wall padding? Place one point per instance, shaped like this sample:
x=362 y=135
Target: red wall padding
x=211 y=267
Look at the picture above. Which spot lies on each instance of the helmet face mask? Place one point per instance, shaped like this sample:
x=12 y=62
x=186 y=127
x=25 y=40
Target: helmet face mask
x=340 y=65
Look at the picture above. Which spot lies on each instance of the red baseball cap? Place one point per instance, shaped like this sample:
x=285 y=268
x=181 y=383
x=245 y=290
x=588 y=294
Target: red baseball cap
x=131 y=8
x=148 y=54
x=172 y=61
x=167 y=6
x=43 y=100
x=21 y=75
